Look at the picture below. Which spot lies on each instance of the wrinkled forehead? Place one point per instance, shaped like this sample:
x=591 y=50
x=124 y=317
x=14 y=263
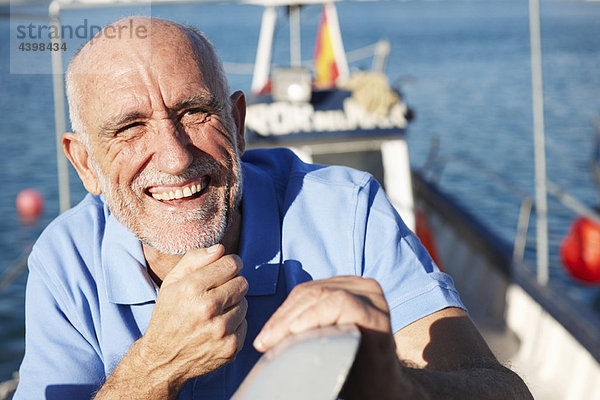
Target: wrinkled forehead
x=144 y=52
x=146 y=40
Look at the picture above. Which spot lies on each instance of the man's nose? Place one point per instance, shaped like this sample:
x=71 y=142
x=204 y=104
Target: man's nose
x=172 y=149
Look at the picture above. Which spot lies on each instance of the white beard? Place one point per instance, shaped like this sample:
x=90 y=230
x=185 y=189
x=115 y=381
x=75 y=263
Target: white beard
x=168 y=237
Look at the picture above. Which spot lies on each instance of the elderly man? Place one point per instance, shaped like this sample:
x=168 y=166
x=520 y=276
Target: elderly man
x=171 y=276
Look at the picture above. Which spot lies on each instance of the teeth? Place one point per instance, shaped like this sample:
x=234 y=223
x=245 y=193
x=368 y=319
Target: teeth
x=179 y=193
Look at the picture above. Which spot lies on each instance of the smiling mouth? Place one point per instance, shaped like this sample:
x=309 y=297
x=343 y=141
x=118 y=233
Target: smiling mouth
x=188 y=192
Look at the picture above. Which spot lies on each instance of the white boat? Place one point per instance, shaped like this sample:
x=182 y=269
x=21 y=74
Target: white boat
x=533 y=331
x=529 y=328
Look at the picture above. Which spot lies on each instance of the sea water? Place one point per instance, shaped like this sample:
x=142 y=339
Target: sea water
x=463 y=66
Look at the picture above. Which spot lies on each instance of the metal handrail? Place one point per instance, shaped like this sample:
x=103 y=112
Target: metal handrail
x=379 y=51
x=522 y=229
x=14 y=271
x=434 y=167
x=435 y=164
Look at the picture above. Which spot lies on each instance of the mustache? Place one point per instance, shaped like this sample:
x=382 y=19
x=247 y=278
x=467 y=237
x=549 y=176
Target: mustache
x=198 y=167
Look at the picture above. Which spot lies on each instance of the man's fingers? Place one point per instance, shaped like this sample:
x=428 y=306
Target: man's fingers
x=236 y=330
x=332 y=301
x=219 y=272
x=329 y=293
x=236 y=326
x=339 y=310
x=297 y=314
x=194 y=259
x=231 y=292
x=236 y=315
x=241 y=334
x=211 y=276
x=277 y=327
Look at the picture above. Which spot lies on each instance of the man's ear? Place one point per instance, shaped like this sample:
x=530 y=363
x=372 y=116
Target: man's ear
x=238 y=112
x=78 y=154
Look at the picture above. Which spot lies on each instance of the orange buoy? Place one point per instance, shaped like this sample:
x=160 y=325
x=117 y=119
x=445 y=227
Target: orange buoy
x=580 y=250
x=30 y=204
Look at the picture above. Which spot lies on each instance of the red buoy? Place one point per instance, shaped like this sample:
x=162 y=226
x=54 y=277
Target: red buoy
x=580 y=250
x=30 y=204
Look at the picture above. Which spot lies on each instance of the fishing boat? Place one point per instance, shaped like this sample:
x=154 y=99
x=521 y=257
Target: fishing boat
x=529 y=328
x=329 y=114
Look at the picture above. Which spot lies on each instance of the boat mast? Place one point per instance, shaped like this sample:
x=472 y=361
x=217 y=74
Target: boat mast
x=64 y=193
x=295 y=44
x=262 y=64
x=541 y=207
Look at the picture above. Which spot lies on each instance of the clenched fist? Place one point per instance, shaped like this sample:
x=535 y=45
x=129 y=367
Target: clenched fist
x=198 y=323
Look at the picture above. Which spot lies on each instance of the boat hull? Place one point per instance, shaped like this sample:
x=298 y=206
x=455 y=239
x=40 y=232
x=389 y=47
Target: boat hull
x=531 y=329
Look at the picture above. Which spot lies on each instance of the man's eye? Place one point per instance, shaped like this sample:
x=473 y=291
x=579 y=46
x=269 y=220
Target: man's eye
x=195 y=114
x=129 y=126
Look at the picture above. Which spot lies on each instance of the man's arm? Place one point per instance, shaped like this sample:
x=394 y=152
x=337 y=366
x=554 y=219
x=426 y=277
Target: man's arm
x=61 y=360
x=197 y=326
x=439 y=356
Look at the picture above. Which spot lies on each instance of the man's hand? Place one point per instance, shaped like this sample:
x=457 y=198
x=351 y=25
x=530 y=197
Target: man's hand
x=344 y=300
x=337 y=300
x=197 y=325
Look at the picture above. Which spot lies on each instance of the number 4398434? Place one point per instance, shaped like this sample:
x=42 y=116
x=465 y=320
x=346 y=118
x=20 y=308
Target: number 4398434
x=27 y=46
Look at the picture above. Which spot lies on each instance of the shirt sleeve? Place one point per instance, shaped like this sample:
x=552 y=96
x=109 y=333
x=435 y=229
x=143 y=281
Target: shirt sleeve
x=413 y=285
x=59 y=362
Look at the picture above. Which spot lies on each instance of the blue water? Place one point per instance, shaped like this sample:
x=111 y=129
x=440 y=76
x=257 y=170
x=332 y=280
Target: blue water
x=463 y=66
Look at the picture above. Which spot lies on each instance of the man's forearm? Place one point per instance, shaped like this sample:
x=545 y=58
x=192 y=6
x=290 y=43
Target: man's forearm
x=140 y=377
x=377 y=375
x=423 y=384
x=475 y=383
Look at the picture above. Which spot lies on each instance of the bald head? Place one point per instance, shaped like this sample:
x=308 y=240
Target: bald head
x=142 y=41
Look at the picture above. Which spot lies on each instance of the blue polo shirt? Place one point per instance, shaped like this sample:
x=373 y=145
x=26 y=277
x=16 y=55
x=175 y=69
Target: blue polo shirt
x=89 y=295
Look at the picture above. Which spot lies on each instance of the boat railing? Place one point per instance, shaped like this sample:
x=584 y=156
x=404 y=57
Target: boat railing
x=378 y=51
x=15 y=270
x=434 y=167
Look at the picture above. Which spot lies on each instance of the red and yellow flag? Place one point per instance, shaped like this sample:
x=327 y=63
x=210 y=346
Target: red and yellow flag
x=326 y=70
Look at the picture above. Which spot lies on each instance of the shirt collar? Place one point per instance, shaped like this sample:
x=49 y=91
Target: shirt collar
x=260 y=240
x=125 y=274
